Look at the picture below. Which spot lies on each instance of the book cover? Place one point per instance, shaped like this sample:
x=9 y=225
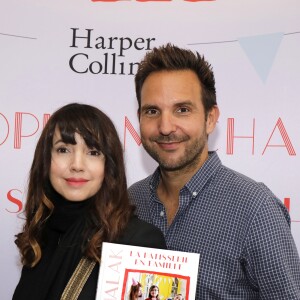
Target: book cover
x=156 y=272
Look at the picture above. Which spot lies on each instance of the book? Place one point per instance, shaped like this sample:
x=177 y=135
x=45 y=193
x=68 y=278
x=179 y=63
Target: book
x=124 y=266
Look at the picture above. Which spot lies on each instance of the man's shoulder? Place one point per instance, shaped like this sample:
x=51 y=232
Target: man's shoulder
x=140 y=186
x=250 y=193
x=240 y=181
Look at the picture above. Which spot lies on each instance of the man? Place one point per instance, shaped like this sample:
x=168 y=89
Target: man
x=241 y=230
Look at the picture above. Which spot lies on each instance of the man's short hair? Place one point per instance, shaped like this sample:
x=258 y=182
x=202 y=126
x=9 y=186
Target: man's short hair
x=172 y=58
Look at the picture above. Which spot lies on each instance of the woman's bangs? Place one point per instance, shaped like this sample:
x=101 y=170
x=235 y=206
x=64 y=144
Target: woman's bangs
x=84 y=128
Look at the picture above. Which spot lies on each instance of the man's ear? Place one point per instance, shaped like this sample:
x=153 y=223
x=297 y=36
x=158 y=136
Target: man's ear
x=212 y=119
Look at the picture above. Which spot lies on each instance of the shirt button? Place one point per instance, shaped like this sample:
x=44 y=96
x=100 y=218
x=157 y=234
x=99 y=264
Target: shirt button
x=161 y=213
x=194 y=194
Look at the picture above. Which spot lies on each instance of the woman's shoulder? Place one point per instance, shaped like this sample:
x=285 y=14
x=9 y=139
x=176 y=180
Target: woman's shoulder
x=136 y=221
x=141 y=233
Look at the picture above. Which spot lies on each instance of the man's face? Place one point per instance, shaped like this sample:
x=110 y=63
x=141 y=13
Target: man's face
x=172 y=120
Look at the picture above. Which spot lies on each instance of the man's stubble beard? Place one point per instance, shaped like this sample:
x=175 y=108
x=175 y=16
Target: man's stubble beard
x=190 y=158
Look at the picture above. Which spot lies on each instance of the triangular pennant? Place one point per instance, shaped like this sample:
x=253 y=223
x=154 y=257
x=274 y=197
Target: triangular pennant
x=261 y=51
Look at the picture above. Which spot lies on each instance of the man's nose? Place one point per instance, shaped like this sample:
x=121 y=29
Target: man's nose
x=167 y=124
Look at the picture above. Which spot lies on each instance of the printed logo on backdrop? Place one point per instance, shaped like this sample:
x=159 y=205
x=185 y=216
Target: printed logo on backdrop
x=111 y=54
x=261 y=50
x=279 y=138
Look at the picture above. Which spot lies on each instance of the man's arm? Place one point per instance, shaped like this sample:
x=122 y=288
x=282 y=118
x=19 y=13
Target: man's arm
x=271 y=259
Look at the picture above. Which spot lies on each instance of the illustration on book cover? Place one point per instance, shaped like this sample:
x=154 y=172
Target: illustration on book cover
x=131 y=272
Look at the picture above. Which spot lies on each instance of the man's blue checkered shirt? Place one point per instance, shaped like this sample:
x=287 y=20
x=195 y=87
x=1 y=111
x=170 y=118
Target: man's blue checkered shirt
x=241 y=230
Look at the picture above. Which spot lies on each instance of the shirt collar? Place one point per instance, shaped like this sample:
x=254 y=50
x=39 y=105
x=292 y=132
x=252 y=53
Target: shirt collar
x=199 y=180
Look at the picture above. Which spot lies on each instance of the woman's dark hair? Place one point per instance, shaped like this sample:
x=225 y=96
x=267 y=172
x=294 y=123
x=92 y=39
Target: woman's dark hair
x=134 y=291
x=173 y=58
x=152 y=287
x=109 y=210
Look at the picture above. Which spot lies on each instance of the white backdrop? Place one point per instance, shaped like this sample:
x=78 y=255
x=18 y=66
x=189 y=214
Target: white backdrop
x=253 y=46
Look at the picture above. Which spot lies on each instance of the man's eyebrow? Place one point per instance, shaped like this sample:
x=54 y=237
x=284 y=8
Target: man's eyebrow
x=184 y=102
x=149 y=106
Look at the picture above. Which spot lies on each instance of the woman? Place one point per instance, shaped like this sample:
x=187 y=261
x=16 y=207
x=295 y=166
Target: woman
x=77 y=199
x=153 y=293
x=135 y=292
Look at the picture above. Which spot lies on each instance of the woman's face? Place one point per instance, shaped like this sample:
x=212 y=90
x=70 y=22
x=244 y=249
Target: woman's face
x=76 y=171
x=154 y=292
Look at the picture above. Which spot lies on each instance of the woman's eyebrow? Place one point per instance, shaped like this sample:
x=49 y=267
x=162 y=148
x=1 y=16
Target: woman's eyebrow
x=58 y=141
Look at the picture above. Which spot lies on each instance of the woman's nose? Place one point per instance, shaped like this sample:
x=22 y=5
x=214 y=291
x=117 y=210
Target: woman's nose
x=77 y=162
